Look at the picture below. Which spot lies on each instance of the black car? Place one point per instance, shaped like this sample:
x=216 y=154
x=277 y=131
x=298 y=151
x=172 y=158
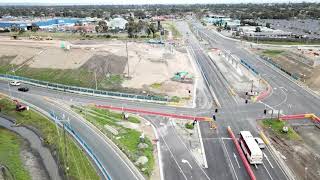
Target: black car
x=23 y=89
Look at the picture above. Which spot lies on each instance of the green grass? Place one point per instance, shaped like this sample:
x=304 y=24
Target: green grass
x=80 y=166
x=74 y=77
x=272 y=53
x=189 y=126
x=127 y=139
x=169 y=25
x=277 y=125
x=156 y=85
x=10 y=147
x=175 y=99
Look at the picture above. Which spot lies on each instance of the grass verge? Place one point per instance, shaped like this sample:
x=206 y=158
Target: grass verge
x=277 y=125
x=75 y=77
x=169 y=25
x=272 y=53
x=156 y=85
x=127 y=139
x=10 y=147
x=79 y=165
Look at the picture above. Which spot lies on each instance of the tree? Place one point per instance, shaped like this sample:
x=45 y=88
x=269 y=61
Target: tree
x=102 y=27
x=151 y=29
x=258 y=29
x=131 y=27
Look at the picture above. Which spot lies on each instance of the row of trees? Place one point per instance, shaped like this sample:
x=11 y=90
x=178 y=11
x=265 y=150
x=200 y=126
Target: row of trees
x=242 y=11
x=134 y=28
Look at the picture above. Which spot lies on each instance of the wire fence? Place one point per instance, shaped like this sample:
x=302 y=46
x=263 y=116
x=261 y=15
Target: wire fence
x=82 y=90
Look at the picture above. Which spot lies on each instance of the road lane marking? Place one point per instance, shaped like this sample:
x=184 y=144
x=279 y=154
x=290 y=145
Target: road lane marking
x=175 y=131
x=170 y=152
x=102 y=136
x=283 y=101
x=235 y=157
x=267 y=172
x=224 y=146
x=268 y=159
x=186 y=161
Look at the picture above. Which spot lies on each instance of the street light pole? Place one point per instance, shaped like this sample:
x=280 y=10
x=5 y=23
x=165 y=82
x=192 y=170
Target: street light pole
x=127 y=59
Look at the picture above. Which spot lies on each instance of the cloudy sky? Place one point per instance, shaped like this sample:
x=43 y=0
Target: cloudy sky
x=151 y=1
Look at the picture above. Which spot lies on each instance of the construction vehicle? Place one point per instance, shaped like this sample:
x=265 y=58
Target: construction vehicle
x=183 y=77
x=20 y=107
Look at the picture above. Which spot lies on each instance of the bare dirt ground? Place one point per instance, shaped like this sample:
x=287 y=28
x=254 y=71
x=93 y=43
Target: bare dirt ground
x=301 y=156
x=299 y=62
x=148 y=64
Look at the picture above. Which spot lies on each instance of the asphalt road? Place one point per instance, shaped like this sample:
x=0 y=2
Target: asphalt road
x=223 y=160
x=116 y=167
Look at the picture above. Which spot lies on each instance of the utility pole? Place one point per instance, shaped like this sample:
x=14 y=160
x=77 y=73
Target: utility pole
x=9 y=87
x=95 y=78
x=65 y=145
x=252 y=85
x=127 y=59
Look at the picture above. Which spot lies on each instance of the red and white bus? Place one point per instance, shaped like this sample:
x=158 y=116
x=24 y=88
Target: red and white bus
x=250 y=148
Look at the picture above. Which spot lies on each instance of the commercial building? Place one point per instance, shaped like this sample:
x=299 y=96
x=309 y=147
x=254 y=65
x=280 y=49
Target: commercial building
x=250 y=31
x=223 y=21
x=117 y=23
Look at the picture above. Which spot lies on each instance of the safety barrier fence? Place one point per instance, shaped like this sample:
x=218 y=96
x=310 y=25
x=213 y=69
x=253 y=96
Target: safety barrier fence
x=312 y=117
x=263 y=94
x=82 y=90
x=242 y=156
x=85 y=146
x=139 y=111
x=279 y=67
x=248 y=66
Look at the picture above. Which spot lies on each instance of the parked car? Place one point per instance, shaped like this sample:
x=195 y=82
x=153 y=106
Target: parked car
x=15 y=83
x=260 y=143
x=23 y=89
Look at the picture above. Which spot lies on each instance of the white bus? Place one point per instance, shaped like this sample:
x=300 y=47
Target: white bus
x=250 y=148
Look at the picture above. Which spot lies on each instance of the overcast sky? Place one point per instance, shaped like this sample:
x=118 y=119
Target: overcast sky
x=151 y=1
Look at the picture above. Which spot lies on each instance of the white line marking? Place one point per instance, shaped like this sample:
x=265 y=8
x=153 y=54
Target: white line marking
x=186 y=161
x=234 y=171
x=268 y=172
x=285 y=99
x=268 y=159
x=171 y=153
x=235 y=157
x=175 y=131
x=102 y=136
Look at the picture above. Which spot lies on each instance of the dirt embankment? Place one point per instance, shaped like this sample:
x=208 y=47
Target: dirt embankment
x=301 y=63
x=147 y=64
x=301 y=156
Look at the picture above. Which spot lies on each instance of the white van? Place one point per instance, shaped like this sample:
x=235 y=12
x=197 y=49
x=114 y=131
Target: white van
x=15 y=83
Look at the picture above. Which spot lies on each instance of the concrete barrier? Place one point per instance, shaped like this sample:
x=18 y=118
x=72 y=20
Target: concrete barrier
x=312 y=117
x=242 y=156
